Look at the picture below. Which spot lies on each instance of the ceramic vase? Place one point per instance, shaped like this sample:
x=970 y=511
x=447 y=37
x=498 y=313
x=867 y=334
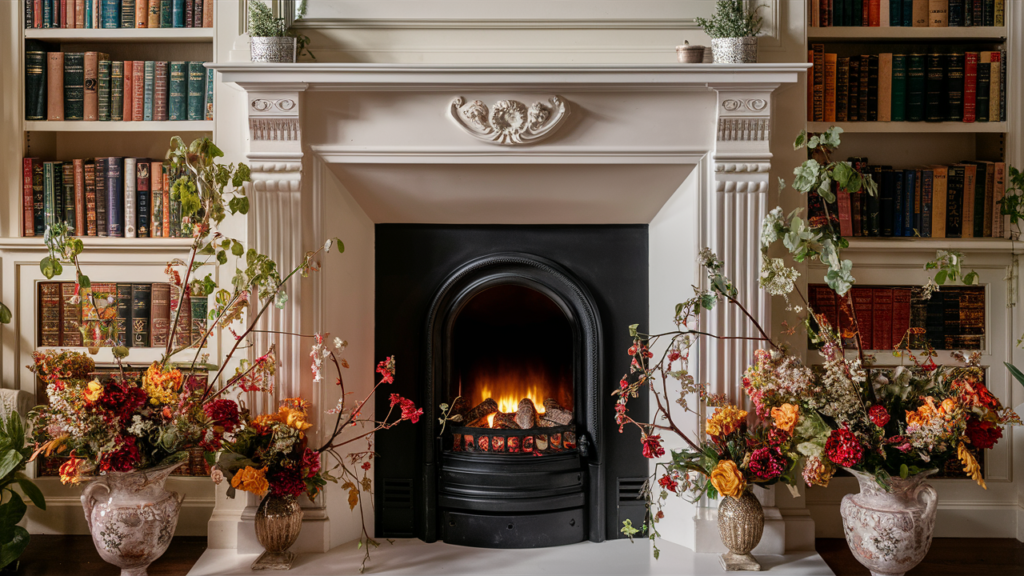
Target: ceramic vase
x=740 y=523
x=278 y=521
x=890 y=531
x=741 y=50
x=132 y=517
x=279 y=49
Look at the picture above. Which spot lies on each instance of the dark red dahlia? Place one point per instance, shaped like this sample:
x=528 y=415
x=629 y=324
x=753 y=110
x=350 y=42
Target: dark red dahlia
x=983 y=434
x=652 y=446
x=286 y=482
x=223 y=412
x=122 y=400
x=843 y=448
x=310 y=463
x=668 y=483
x=767 y=462
x=124 y=459
x=879 y=415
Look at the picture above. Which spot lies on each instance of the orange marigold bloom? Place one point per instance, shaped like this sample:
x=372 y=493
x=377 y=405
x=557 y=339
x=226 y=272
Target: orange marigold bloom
x=725 y=420
x=786 y=416
x=251 y=480
x=93 y=391
x=727 y=479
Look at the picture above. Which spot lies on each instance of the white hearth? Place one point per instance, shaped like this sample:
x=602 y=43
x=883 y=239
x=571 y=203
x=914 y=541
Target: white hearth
x=338 y=148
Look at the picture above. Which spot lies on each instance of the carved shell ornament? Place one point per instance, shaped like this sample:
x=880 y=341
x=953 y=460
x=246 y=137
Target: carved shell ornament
x=509 y=122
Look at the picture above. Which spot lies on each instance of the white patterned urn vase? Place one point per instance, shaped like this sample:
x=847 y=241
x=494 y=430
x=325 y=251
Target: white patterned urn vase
x=131 y=517
x=889 y=532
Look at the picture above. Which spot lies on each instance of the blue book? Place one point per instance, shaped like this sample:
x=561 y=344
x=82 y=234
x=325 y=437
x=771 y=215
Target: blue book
x=895 y=15
x=178 y=13
x=927 y=186
x=149 y=71
x=898 y=208
x=909 y=213
x=88 y=14
x=886 y=202
x=110 y=13
x=47 y=13
x=115 y=197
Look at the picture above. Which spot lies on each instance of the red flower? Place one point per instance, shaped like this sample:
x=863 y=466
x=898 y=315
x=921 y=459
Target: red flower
x=777 y=436
x=843 y=448
x=310 y=463
x=286 y=482
x=767 y=462
x=223 y=412
x=983 y=434
x=366 y=466
x=632 y=350
x=878 y=415
x=673 y=355
x=623 y=384
x=985 y=398
x=386 y=368
x=395 y=399
x=652 y=446
x=123 y=459
x=122 y=400
x=668 y=483
x=410 y=412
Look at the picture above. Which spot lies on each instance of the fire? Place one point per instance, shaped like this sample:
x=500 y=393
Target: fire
x=510 y=382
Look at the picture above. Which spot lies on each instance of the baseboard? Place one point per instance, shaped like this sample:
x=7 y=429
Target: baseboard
x=65 y=516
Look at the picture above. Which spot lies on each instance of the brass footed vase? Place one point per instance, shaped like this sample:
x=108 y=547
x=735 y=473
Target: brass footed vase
x=278 y=521
x=741 y=523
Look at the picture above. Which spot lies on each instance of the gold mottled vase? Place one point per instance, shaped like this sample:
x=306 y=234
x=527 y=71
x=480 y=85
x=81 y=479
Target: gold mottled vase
x=741 y=523
x=278 y=521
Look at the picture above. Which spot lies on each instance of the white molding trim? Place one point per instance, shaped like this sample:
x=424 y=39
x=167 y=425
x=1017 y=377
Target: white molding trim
x=334 y=154
x=495 y=24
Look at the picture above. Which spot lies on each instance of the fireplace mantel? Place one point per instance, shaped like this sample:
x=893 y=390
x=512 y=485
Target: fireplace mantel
x=623 y=153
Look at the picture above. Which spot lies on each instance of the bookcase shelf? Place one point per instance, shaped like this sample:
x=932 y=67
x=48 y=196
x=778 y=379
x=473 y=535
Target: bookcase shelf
x=194 y=35
x=994 y=245
x=911 y=127
x=903 y=34
x=119 y=126
x=96 y=243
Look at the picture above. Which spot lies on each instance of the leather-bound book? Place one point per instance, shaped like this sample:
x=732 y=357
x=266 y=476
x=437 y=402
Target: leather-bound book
x=882 y=322
x=951 y=318
x=166 y=16
x=845 y=207
x=101 y=198
x=160 y=314
x=918 y=318
x=207 y=13
x=865 y=66
x=166 y=216
x=209 y=92
x=90 y=197
x=900 y=317
x=127 y=14
x=199 y=312
x=142 y=197
x=130 y=218
x=916 y=87
x=117 y=91
x=988 y=14
x=970 y=204
x=66 y=212
x=1000 y=223
x=984 y=88
x=970 y=86
x=178 y=13
x=999 y=16
x=920 y=13
x=71 y=315
x=819 y=82
x=995 y=87
x=955 y=14
x=955 y=201
x=927 y=190
x=141 y=294
x=898 y=109
x=49 y=314
x=972 y=311
x=178 y=91
x=197 y=90
x=110 y=16
x=38 y=197
x=954 y=90
x=74 y=86
x=115 y=197
x=939 y=12
x=129 y=92
x=899 y=206
x=138 y=90
x=141 y=14
x=873 y=69
x=79 y=201
x=79 y=14
x=823 y=302
x=160 y=85
x=940 y=198
x=934 y=109
x=156 y=199
x=863 y=308
x=887 y=202
x=189 y=13
x=28 y=220
x=124 y=314
x=853 y=91
x=35 y=83
x=842 y=88
x=55 y=86
x=183 y=333
x=909 y=183
x=91 y=87
x=885 y=87
x=935 y=312
x=148 y=89
x=856 y=209
x=153 y=14
x=49 y=200
x=103 y=91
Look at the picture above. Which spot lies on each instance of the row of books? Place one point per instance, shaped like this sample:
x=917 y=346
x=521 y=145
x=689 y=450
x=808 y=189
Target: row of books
x=894 y=317
x=115 y=197
x=907 y=13
x=935 y=87
x=956 y=201
x=123 y=314
x=89 y=86
x=118 y=14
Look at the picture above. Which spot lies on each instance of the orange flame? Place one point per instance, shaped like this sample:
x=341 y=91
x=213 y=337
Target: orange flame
x=511 y=382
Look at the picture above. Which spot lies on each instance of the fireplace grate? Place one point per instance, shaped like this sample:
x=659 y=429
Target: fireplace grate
x=630 y=505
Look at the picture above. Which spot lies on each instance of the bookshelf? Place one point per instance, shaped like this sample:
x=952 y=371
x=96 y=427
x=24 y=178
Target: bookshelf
x=891 y=34
x=76 y=126
x=912 y=127
x=122 y=35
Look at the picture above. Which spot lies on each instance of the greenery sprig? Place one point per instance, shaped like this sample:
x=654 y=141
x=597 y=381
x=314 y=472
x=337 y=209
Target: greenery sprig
x=732 y=19
x=1012 y=204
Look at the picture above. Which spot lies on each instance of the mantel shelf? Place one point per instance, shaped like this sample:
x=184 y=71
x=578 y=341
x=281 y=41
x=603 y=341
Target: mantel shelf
x=910 y=127
x=905 y=34
x=121 y=34
x=96 y=243
x=118 y=126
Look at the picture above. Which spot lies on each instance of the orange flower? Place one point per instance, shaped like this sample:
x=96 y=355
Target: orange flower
x=93 y=391
x=786 y=416
x=727 y=479
x=252 y=480
x=71 y=471
x=725 y=420
x=948 y=406
x=288 y=416
x=924 y=413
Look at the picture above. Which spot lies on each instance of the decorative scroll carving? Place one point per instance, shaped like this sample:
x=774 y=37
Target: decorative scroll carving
x=752 y=104
x=509 y=122
x=275 y=129
x=743 y=167
x=267 y=105
x=743 y=129
x=276 y=176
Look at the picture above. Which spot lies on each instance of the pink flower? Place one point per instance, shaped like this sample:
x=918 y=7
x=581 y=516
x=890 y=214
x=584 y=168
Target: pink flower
x=395 y=399
x=223 y=412
x=386 y=368
x=410 y=412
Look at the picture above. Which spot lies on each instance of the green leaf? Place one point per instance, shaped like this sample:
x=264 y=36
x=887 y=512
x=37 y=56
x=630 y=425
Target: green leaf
x=5 y=314
x=119 y=352
x=1015 y=372
x=84 y=282
x=207 y=250
x=237 y=249
x=940 y=278
x=280 y=299
x=341 y=245
x=12 y=550
x=971 y=278
x=46 y=267
x=222 y=257
x=632 y=329
x=801 y=139
x=32 y=491
x=10 y=514
x=9 y=461
x=904 y=471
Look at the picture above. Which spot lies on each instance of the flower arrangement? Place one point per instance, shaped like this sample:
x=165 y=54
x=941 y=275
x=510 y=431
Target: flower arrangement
x=732 y=19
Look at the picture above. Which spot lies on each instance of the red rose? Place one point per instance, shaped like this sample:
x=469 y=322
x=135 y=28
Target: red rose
x=652 y=446
x=767 y=462
x=223 y=412
x=879 y=415
x=843 y=448
x=983 y=434
x=124 y=459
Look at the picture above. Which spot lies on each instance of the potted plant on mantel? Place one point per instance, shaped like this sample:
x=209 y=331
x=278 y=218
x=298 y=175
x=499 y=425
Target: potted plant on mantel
x=733 y=30
x=270 y=40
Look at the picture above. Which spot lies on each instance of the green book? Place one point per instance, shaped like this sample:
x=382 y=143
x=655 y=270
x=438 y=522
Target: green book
x=935 y=81
x=148 y=75
x=103 y=90
x=74 y=86
x=199 y=312
x=209 y=93
x=915 y=87
x=955 y=87
x=49 y=197
x=196 y=91
x=58 y=192
x=117 y=91
x=67 y=200
x=178 y=92
x=128 y=13
x=165 y=14
x=899 y=87
x=124 y=314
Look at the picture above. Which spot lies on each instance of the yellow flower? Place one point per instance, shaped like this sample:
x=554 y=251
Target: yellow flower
x=727 y=479
x=71 y=471
x=252 y=480
x=725 y=420
x=161 y=387
x=948 y=406
x=93 y=391
x=971 y=466
x=290 y=417
x=785 y=417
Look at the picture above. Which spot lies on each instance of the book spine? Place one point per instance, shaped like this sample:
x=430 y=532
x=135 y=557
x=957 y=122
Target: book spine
x=90 y=95
x=955 y=87
x=129 y=197
x=175 y=218
x=28 y=219
x=864 y=89
x=940 y=197
x=970 y=86
x=999 y=13
x=189 y=13
x=899 y=206
x=990 y=192
x=951 y=319
x=166 y=215
x=183 y=331
x=117 y=91
x=926 y=203
x=160 y=314
x=197 y=14
x=49 y=203
x=933 y=109
x=71 y=315
x=895 y=13
x=830 y=88
x=845 y=213
x=59 y=192
x=160 y=91
x=842 y=89
x=127 y=14
x=855 y=213
x=166 y=18
x=178 y=91
x=115 y=197
x=853 y=105
x=884 y=18
x=918 y=216
x=123 y=329
x=818 y=85
x=103 y=91
x=67 y=13
x=74 y=86
x=90 y=197
x=882 y=321
x=142 y=195
x=47 y=13
x=899 y=88
x=111 y=14
x=995 y=84
x=887 y=202
x=916 y=87
x=197 y=90
x=873 y=88
x=199 y=312
x=900 y=318
x=49 y=313
x=209 y=92
x=885 y=87
x=29 y=20
x=979 y=209
x=35 y=85
x=908 y=13
x=1002 y=87
x=127 y=109
x=939 y=11
x=38 y=197
x=78 y=167
x=148 y=89
x=863 y=308
x=178 y=13
x=955 y=202
x=955 y=15
x=920 y=13
x=988 y=14
x=909 y=182
x=141 y=13
x=874 y=205
x=156 y=199
x=79 y=14
x=55 y=86
x=208 y=13
x=999 y=228
x=138 y=90
x=981 y=97
x=101 y=197
x=153 y=14
x=875 y=13
x=969 y=192
x=141 y=311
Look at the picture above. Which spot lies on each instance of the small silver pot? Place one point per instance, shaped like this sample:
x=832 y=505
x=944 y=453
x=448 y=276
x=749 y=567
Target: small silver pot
x=742 y=50
x=279 y=49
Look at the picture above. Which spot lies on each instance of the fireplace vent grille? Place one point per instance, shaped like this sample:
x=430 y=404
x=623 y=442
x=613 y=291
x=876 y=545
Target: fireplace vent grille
x=630 y=505
x=397 y=501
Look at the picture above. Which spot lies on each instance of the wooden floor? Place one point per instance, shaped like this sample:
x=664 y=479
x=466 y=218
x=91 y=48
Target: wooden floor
x=60 y=555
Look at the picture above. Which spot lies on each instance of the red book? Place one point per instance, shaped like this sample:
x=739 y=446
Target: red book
x=138 y=89
x=824 y=15
x=37 y=13
x=970 y=85
x=845 y=213
x=865 y=13
x=129 y=92
x=64 y=13
x=28 y=226
x=823 y=302
x=855 y=208
x=863 y=307
x=874 y=13
x=882 y=319
x=90 y=198
x=79 y=166
x=900 y=316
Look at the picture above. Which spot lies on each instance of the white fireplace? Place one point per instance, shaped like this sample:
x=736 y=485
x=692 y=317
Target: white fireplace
x=337 y=148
